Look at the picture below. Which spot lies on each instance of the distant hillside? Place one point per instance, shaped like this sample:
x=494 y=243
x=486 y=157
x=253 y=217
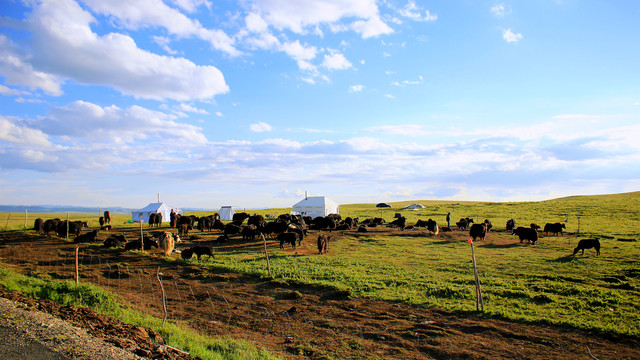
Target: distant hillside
x=62 y=209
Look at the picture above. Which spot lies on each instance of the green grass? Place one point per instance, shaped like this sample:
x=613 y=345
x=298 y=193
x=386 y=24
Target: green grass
x=538 y=283
x=105 y=302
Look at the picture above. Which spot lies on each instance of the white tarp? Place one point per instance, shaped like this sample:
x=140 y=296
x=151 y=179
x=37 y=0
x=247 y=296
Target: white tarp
x=226 y=213
x=315 y=206
x=160 y=208
x=415 y=206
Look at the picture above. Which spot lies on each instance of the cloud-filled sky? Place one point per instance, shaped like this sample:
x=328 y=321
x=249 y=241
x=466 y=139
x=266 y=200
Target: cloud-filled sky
x=251 y=103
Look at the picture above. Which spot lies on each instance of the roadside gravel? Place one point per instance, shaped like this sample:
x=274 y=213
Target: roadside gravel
x=30 y=334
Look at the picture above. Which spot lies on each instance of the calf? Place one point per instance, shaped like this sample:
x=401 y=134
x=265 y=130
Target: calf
x=587 y=244
x=200 y=250
x=88 y=237
x=135 y=244
x=323 y=243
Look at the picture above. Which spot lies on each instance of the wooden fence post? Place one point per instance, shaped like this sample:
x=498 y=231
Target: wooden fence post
x=77 y=278
x=141 y=237
x=164 y=299
x=266 y=254
x=25 y=219
x=479 y=300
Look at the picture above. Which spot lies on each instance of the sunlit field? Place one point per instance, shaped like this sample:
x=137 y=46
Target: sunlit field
x=539 y=283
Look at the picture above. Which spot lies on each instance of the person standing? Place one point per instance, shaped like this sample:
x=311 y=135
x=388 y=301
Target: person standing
x=449 y=219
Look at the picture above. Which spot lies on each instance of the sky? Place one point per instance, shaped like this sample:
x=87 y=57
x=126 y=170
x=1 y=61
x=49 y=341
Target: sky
x=254 y=103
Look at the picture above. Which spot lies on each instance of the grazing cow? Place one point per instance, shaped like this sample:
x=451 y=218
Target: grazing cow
x=525 y=233
x=511 y=224
x=464 y=223
x=115 y=241
x=107 y=217
x=51 y=225
x=554 y=228
x=38 y=226
x=478 y=231
x=183 y=229
x=587 y=244
x=239 y=218
x=166 y=243
x=88 y=237
x=323 y=243
x=257 y=220
x=231 y=229
x=362 y=228
x=488 y=223
x=249 y=232
x=400 y=222
x=288 y=237
x=135 y=244
x=155 y=219
x=74 y=228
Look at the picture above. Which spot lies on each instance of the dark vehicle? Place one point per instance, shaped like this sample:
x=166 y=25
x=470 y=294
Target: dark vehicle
x=383 y=205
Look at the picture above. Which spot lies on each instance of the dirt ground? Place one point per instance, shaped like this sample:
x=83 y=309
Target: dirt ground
x=293 y=320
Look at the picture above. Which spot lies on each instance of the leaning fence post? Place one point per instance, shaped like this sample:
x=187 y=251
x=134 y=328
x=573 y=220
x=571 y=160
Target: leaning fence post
x=266 y=254
x=25 y=219
x=479 y=300
x=164 y=299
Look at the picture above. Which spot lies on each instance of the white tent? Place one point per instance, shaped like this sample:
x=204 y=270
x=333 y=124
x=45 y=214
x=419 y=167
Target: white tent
x=226 y=213
x=160 y=208
x=315 y=206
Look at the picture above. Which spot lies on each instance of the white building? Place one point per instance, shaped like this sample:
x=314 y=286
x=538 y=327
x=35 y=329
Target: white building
x=160 y=208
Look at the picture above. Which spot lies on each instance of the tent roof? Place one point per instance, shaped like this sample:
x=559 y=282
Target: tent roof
x=316 y=201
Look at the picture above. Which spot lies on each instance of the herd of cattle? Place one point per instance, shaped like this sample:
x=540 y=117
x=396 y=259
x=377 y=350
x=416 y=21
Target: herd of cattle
x=286 y=228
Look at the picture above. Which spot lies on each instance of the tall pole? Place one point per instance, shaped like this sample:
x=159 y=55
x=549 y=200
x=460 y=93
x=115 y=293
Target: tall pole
x=25 y=219
x=479 y=300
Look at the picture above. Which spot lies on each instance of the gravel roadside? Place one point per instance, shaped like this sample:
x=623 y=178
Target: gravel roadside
x=30 y=334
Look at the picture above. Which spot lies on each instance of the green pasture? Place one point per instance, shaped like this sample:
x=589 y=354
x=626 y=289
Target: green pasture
x=540 y=283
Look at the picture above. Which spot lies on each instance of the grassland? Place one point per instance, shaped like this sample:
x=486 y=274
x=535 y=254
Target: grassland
x=540 y=283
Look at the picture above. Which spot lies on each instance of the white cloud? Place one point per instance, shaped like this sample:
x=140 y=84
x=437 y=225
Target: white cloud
x=413 y=12
x=356 y=88
x=260 y=127
x=405 y=130
x=498 y=10
x=336 y=61
x=128 y=14
x=17 y=71
x=192 y=109
x=511 y=37
x=90 y=122
x=13 y=132
x=64 y=46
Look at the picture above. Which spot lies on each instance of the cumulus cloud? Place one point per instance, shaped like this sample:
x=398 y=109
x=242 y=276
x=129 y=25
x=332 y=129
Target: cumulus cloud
x=12 y=131
x=260 y=127
x=128 y=14
x=511 y=37
x=64 y=47
x=336 y=61
x=90 y=122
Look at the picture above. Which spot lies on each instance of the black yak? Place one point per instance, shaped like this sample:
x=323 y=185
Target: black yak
x=587 y=244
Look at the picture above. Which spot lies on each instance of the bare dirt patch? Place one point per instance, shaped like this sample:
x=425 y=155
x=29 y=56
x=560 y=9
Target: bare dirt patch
x=296 y=320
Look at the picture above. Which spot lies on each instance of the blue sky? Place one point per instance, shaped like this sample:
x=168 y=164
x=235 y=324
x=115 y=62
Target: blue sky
x=251 y=103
